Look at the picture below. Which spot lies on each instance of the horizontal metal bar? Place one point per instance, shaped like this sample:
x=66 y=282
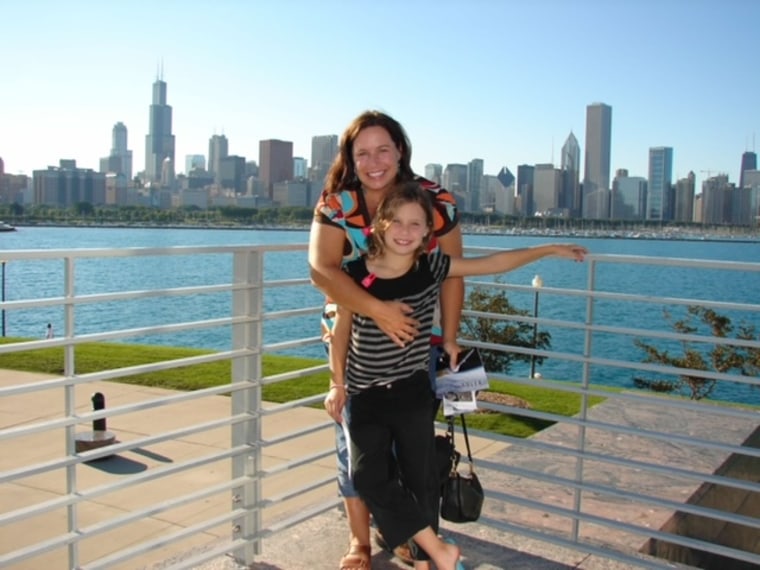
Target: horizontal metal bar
x=40 y=468
x=144 y=547
x=648 y=532
x=585 y=486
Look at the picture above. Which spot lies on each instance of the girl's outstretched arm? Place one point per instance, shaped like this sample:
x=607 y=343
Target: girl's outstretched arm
x=504 y=261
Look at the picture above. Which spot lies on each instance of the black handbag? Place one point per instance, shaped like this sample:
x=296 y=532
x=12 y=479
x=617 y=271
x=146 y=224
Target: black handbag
x=462 y=494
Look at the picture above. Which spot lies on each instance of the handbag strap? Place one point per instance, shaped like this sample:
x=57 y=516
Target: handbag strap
x=466 y=439
x=450 y=429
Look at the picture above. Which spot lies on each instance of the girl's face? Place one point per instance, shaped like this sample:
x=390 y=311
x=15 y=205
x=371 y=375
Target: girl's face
x=376 y=159
x=406 y=231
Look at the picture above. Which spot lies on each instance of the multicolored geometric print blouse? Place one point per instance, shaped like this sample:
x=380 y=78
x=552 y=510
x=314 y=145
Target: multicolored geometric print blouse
x=347 y=210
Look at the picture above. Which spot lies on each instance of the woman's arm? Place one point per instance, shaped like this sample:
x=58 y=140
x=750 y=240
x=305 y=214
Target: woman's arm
x=504 y=261
x=452 y=294
x=325 y=259
x=341 y=336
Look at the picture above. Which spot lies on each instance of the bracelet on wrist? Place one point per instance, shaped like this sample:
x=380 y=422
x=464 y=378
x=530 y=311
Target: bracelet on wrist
x=336 y=385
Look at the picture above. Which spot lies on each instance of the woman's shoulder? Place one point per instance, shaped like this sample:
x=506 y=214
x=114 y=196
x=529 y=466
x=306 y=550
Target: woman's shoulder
x=339 y=205
x=445 y=212
x=432 y=187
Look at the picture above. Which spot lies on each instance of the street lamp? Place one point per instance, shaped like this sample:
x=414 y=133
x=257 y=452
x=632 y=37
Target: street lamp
x=537 y=283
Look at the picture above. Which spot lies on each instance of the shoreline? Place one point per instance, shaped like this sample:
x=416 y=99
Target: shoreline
x=667 y=234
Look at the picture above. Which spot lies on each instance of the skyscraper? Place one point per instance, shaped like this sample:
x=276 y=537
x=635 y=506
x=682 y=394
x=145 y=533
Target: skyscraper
x=659 y=188
x=159 y=142
x=194 y=162
x=628 y=199
x=570 y=197
x=275 y=163
x=596 y=174
x=218 y=150
x=749 y=162
x=474 y=182
x=119 y=161
x=546 y=188
x=524 y=194
x=684 y=199
x=433 y=172
x=300 y=167
x=324 y=148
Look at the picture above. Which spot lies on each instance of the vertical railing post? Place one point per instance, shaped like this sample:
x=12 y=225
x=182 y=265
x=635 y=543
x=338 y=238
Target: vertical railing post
x=69 y=368
x=2 y=295
x=585 y=381
x=247 y=302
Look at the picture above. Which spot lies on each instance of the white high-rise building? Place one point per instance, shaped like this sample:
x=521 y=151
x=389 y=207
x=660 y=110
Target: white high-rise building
x=547 y=182
x=218 y=150
x=596 y=173
x=570 y=197
x=119 y=161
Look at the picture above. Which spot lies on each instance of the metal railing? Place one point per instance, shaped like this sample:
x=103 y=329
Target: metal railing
x=640 y=478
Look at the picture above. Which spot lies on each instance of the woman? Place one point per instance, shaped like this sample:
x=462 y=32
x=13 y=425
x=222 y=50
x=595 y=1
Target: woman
x=373 y=156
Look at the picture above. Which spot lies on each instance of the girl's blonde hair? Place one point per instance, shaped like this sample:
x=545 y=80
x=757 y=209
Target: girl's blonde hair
x=404 y=193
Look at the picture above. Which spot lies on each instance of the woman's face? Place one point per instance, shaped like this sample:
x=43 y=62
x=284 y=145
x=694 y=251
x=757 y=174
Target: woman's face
x=376 y=159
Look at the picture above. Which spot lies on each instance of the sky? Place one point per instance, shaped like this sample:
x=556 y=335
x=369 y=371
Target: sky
x=501 y=80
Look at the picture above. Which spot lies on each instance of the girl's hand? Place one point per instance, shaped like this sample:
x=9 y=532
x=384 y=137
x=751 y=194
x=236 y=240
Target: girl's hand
x=571 y=251
x=335 y=400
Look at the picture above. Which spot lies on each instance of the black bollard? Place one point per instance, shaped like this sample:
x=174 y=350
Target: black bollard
x=98 y=403
x=99 y=436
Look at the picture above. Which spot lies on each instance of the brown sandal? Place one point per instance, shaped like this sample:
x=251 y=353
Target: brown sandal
x=358 y=557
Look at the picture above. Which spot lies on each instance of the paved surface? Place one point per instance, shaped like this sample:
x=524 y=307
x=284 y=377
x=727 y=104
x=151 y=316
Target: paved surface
x=319 y=542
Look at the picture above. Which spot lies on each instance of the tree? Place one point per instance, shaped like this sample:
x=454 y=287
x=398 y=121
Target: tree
x=720 y=358
x=750 y=355
x=84 y=209
x=500 y=332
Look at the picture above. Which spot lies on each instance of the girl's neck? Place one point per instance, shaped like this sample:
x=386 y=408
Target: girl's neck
x=388 y=265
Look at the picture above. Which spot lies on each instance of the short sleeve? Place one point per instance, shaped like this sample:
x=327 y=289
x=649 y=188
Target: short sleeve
x=328 y=209
x=439 y=264
x=445 y=214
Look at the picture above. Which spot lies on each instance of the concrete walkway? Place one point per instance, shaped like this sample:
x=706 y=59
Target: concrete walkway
x=315 y=544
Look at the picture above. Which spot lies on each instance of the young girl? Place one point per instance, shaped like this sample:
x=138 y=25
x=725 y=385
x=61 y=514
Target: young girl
x=387 y=387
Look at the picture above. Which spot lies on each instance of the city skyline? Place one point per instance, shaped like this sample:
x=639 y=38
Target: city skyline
x=484 y=89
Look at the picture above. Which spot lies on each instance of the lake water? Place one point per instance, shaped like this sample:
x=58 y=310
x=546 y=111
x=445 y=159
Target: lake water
x=40 y=279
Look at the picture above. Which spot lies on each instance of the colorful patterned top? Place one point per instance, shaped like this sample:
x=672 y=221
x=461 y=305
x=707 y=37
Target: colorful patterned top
x=347 y=210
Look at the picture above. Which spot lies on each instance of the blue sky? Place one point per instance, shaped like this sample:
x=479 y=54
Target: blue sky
x=505 y=81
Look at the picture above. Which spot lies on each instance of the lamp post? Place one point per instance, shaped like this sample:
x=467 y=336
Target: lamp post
x=537 y=283
x=2 y=293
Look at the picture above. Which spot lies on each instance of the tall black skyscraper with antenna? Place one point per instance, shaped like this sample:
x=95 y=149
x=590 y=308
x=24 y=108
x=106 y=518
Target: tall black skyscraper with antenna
x=159 y=142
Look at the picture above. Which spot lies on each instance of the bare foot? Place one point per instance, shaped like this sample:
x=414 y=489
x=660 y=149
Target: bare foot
x=449 y=557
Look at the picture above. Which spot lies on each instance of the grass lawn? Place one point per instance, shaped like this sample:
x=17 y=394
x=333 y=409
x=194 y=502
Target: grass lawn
x=95 y=357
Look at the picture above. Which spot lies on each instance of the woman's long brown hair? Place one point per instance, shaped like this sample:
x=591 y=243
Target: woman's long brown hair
x=342 y=173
